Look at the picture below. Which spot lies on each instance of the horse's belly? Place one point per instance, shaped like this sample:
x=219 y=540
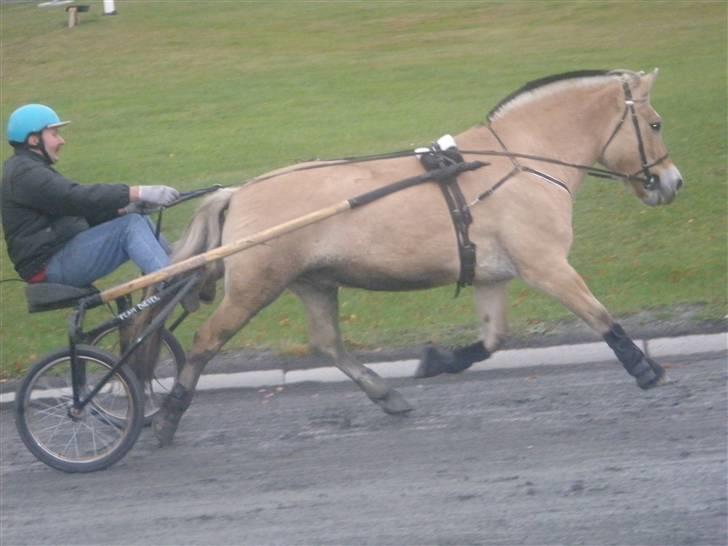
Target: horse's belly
x=384 y=279
x=494 y=265
x=402 y=274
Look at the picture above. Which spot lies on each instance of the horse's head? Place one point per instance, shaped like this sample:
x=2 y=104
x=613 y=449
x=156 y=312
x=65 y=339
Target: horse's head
x=635 y=145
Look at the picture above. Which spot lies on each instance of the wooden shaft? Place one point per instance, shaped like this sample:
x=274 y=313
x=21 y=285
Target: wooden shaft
x=266 y=235
x=220 y=252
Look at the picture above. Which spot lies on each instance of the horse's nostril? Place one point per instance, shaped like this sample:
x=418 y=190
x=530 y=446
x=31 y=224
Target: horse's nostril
x=679 y=183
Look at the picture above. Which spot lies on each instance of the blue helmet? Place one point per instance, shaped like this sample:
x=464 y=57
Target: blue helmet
x=30 y=119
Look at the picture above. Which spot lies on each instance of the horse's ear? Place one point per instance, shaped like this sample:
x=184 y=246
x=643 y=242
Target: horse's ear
x=650 y=78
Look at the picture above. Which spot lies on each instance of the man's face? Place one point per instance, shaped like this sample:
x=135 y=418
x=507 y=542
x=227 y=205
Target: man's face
x=52 y=141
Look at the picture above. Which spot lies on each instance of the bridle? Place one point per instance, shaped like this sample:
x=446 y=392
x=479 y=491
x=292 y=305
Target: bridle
x=649 y=179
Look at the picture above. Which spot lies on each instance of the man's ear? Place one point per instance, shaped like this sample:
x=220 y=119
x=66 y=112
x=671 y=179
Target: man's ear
x=33 y=140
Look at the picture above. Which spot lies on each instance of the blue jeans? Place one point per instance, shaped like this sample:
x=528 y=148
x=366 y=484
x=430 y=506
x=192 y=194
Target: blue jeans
x=99 y=250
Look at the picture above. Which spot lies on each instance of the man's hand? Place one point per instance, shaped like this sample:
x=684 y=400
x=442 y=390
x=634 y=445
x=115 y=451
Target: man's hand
x=157 y=195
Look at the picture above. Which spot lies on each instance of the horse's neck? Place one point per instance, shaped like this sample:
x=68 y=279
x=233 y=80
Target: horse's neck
x=567 y=128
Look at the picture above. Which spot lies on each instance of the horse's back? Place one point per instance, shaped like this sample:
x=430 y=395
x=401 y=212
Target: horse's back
x=404 y=240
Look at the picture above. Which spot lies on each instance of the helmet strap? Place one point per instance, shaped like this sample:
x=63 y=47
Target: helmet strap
x=40 y=147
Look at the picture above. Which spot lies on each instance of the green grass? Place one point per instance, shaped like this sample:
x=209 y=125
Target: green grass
x=189 y=93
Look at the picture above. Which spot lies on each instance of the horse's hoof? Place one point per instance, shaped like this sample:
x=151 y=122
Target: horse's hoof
x=432 y=363
x=394 y=403
x=164 y=426
x=653 y=376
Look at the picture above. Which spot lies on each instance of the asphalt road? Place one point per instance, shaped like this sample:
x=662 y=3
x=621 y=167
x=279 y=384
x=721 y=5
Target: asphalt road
x=558 y=455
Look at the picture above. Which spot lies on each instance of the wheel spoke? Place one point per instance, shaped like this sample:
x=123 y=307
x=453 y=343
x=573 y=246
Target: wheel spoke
x=58 y=410
x=55 y=428
x=70 y=441
x=105 y=419
x=105 y=439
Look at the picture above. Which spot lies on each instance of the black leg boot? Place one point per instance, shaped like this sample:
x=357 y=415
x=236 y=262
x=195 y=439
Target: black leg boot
x=435 y=361
x=646 y=371
x=166 y=421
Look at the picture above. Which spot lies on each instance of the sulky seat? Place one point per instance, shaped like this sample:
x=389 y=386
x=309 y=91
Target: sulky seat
x=47 y=296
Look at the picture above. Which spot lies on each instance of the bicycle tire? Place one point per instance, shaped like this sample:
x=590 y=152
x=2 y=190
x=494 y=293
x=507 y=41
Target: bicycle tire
x=163 y=376
x=45 y=396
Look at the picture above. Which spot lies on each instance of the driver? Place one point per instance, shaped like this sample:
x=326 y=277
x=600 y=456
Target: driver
x=60 y=231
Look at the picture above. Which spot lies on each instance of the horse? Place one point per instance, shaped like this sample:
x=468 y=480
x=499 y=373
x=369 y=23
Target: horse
x=540 y=142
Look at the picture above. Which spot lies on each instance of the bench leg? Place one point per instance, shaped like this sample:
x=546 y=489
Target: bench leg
x=72 y=17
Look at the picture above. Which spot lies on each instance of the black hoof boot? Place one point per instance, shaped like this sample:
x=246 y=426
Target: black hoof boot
x=164 y=425
x=394 y=403
x=435 y=361
x=648 y=373
x=166 y=420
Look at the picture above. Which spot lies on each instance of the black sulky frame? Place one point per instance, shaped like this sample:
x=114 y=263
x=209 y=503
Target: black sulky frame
x=170 y=295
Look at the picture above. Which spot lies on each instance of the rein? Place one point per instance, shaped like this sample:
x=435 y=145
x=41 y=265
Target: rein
x=185 y=196
x=596 y=172
x=648 y=179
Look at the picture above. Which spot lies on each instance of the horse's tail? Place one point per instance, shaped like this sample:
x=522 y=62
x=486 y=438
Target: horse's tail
x=205 y=230
x=202 y=234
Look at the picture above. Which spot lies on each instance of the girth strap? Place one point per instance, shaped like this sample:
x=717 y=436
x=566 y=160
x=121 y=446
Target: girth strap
x=458 y=208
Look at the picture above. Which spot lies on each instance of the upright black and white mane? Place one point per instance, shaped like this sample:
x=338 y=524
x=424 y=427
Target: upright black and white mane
x=535 y=87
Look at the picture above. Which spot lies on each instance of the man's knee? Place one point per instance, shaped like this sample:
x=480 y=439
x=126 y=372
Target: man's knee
x=135 y=219
x=136 y=223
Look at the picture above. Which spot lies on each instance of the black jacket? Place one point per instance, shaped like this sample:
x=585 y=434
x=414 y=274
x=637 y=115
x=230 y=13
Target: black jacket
x=42 y=210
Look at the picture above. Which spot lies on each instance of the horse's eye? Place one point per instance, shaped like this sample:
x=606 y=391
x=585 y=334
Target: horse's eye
x=656 y=125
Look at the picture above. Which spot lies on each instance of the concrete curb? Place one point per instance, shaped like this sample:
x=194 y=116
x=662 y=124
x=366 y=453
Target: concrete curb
x=581 y=353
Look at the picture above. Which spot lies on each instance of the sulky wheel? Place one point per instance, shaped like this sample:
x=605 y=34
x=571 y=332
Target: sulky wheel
x=169 y=363
x=95 y=437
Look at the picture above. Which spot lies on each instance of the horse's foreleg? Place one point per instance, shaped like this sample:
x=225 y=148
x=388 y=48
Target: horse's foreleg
x=564 y=283
x=322 y=312
x=490 y=303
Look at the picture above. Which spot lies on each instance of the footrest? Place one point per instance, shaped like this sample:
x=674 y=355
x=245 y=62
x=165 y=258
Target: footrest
x=47 y=296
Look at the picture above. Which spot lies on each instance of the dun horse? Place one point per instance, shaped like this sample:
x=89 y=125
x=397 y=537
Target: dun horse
x=521 y=208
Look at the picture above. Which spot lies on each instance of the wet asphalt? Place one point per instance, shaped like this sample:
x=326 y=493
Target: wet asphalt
x=543 y=455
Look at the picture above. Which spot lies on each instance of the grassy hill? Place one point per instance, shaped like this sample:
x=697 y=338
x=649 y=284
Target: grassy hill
x=191 y=93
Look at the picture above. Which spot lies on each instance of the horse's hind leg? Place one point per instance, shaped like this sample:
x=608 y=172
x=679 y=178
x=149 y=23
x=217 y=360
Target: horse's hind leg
x=560 y=280
x=490 y=303
x=232 y=314
x=322 y=312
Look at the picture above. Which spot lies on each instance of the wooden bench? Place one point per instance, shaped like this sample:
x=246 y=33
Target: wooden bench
x=73 y=10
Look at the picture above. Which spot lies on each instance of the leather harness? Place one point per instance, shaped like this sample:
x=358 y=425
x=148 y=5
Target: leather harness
x=436 y=159
x=450 y=159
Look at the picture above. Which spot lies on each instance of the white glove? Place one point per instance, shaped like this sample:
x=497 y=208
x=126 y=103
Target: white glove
x=157 y=195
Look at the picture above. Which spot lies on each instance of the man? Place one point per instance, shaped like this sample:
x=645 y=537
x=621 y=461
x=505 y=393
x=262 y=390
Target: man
x=63 y=232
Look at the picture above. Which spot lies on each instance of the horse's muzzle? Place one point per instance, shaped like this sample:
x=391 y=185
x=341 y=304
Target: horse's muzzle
x=663 y=188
